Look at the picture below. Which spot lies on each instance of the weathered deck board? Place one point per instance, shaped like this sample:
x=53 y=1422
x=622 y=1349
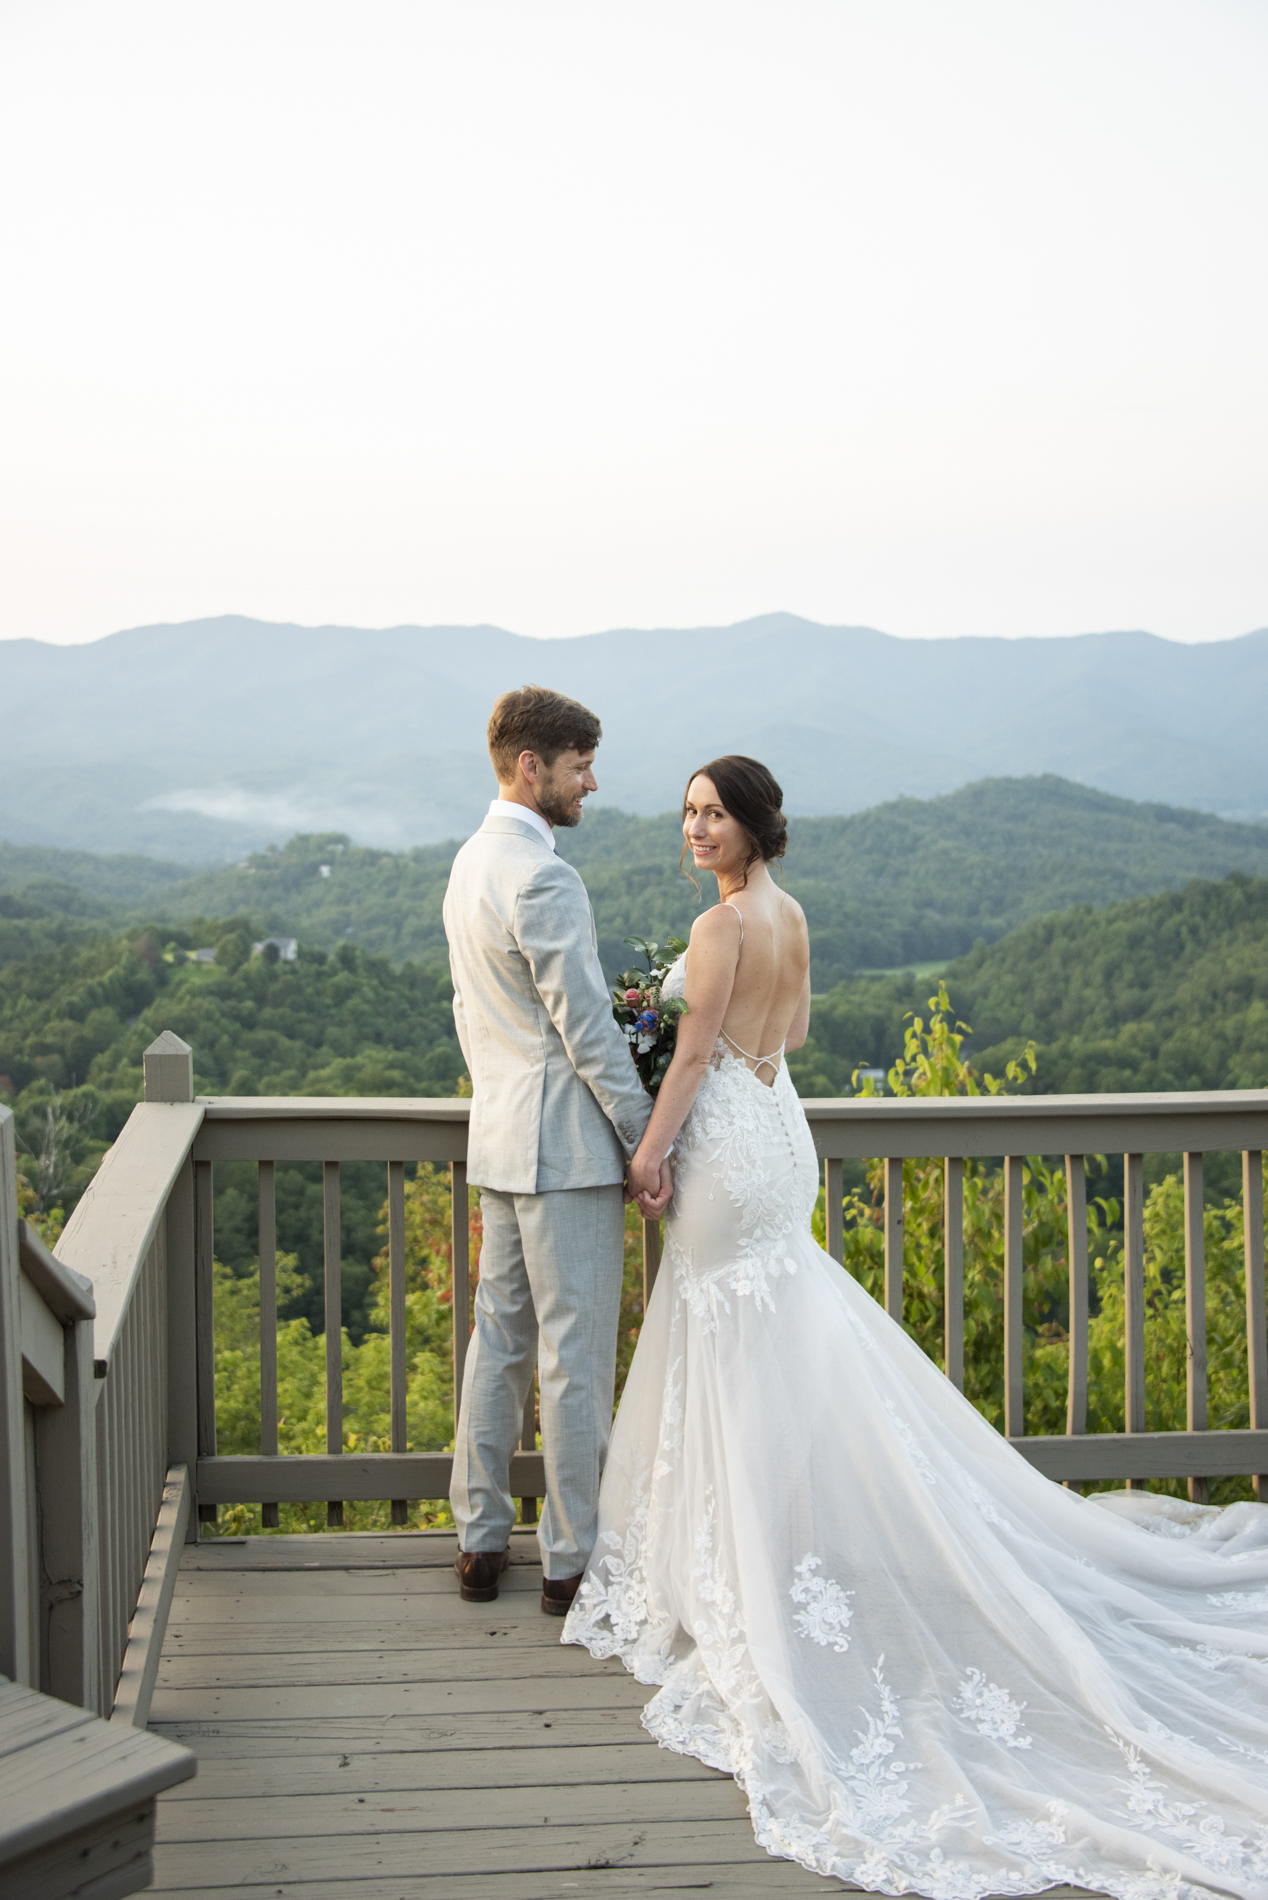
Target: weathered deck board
x=311 y=1580
x=385 y=1735
x=236 y=1775
x=722 y=1882
x=364 y=1732
x=667 y=1844
x=355 y=1623
x=398 y=1698
x=332 y=1667
x=376 y=1552
x=456 y=1810
x=409 y=1614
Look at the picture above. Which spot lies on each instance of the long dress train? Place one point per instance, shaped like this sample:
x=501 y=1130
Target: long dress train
x=929 y=1668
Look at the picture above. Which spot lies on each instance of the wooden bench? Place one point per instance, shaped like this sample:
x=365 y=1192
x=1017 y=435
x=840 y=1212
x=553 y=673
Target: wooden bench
x=77 y=1799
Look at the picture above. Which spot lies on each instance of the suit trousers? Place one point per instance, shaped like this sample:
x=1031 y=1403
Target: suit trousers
x=550 y=1291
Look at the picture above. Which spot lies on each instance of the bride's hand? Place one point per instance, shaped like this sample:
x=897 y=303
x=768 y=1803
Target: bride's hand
x=651 y=1184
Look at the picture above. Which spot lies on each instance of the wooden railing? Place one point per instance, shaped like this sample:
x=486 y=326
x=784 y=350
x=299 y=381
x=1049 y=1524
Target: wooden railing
x=91 y=1510
x=1074 y=1126
x=84 y=1568
x=397 y=1133
x=144 y=1234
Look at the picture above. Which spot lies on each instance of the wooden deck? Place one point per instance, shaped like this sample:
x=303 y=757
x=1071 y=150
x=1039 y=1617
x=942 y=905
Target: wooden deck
x=360 y=1731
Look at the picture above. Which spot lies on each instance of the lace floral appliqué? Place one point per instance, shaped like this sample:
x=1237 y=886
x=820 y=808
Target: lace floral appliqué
x=827 y=1614
x=991 y=1710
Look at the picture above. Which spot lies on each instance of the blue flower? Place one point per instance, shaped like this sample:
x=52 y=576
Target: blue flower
x=647 y=1022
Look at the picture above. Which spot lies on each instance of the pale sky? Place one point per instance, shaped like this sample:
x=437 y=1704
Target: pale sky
x=942 y=318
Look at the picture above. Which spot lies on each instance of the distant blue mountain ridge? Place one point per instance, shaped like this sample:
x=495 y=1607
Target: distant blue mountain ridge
x=204 y=740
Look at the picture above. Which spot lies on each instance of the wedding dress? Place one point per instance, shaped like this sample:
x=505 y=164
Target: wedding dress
x=929 y=1668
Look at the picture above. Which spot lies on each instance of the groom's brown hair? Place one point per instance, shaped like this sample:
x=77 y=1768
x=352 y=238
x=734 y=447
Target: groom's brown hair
x=533 y=719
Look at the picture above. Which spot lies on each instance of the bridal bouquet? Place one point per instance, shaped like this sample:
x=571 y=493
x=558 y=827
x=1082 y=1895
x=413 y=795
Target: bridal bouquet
x=648 y=1020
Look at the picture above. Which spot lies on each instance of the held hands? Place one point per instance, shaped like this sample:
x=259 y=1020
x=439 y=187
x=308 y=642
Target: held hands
x=650 y=1183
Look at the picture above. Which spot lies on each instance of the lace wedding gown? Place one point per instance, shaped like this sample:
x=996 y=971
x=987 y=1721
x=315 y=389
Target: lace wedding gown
x=929 y=1668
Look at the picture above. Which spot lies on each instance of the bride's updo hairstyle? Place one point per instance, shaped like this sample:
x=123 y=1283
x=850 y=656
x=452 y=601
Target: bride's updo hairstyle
x=753 y=797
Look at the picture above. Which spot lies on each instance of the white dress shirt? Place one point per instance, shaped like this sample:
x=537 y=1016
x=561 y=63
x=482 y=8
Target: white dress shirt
x=507 y=808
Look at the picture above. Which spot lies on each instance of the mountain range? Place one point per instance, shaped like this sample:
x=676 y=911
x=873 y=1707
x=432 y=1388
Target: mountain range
x=205 y=740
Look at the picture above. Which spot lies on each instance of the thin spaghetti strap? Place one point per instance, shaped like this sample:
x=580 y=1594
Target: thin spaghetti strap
x=763 y=1062
x=739 y=913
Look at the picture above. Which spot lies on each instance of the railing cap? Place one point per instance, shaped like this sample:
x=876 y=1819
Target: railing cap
x=63 y=1291
x=1008 y=1107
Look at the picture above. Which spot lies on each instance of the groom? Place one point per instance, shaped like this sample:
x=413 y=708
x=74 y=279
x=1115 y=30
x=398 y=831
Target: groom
x=557 y=1110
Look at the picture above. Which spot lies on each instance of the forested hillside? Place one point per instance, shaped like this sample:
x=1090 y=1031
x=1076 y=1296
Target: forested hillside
x=75 y=1022
x=1165 y=992
x=911 y=881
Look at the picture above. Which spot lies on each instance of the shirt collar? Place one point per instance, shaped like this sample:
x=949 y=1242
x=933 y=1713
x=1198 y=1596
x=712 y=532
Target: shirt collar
x=507 y=808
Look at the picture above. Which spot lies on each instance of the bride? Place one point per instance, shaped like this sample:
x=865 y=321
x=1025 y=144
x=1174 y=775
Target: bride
x=929 y=1668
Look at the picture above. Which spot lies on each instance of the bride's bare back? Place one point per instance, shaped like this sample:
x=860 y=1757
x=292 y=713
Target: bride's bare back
x=769 y=1001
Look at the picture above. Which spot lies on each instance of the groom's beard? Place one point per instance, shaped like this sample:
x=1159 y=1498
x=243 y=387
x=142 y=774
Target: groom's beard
x=554 y=808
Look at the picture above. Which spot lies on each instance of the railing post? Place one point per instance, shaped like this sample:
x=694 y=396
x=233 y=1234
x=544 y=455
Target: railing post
x=1014 y=1207
x=1256 y=1318
x=953 y=1269
x=169 y=1069
x=1195 y=1310
x=894 y=1239
x=169 y=1077
x=18 y=1658
x=1134 y=1299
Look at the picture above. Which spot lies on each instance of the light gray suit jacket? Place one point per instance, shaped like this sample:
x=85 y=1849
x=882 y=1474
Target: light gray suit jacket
x=557 y=1102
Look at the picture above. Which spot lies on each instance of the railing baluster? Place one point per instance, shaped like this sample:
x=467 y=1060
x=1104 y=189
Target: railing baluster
x=528 y=1442
x=1134 y=1300
x=156 y=1382
x=267 y=1186
x=461 y=1234
x=1014 y=1391
x=396 y=1311
x=953 y=1270
x=1195 y=1310
x=144 y=1420
x=205 y=1319
x=894 y=1238
x=1256 y=1318
x=833 y=1212
x=334 y=1326
x=108 y=1503
x=1076 y=1258
x=129 y=1439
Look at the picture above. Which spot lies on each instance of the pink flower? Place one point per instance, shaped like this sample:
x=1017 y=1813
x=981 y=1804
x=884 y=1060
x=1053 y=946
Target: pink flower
x=631 y=996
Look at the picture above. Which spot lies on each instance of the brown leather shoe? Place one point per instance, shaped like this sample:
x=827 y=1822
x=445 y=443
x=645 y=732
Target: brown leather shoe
x=558 y=1592
x=478 y=1573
